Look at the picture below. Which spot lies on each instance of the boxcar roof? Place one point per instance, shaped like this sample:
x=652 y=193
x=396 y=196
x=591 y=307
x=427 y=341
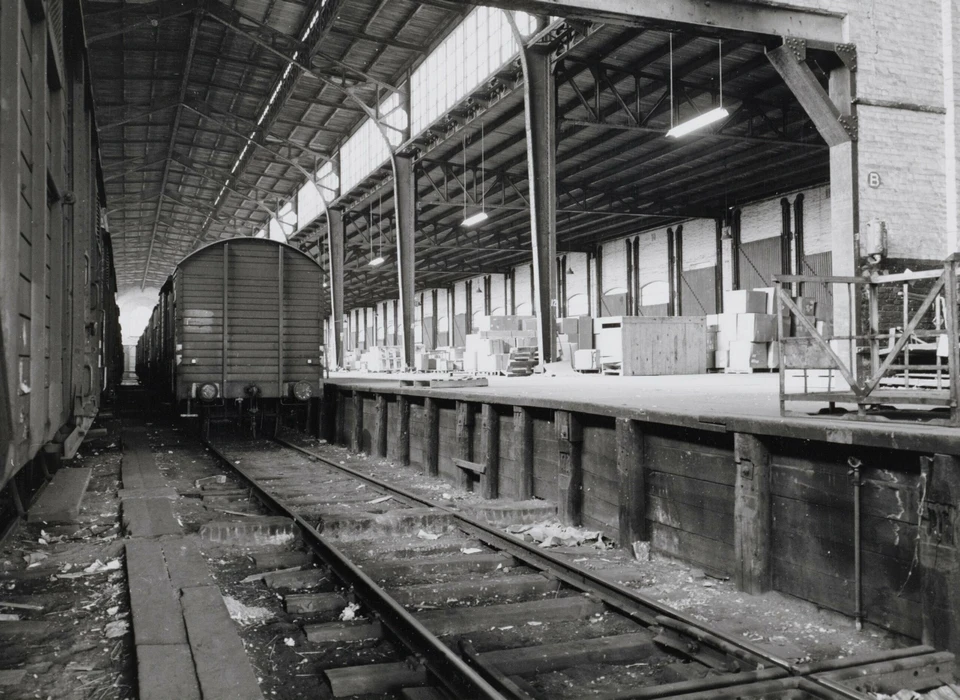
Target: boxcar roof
x=245 y=241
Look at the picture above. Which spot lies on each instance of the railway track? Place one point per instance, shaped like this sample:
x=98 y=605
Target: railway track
x=471 y=611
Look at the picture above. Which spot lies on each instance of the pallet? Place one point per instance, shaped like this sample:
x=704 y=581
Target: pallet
x=462 y=383
x=751 y=370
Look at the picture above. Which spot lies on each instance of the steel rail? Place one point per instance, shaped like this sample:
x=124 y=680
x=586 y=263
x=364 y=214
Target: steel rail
x=447 y=669
x=632 y=603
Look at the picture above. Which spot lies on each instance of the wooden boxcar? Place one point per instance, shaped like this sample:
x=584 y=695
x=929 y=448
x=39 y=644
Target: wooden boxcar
x=59 y=330
x=237 y=333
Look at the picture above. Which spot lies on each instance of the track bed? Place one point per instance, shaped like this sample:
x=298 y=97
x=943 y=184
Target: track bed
x=411 y=596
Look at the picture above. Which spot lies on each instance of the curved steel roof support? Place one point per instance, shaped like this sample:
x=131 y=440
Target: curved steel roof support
x=539 y=97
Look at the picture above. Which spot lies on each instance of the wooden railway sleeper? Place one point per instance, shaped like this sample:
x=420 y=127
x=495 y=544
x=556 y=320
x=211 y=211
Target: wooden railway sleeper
x=489 y=671
x=646 y=610
x=449 y=670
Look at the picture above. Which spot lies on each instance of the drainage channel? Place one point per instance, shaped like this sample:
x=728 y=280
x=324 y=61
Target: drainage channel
x=706 y=662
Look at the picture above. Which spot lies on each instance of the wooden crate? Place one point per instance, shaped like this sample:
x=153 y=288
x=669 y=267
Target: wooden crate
x=653 y=345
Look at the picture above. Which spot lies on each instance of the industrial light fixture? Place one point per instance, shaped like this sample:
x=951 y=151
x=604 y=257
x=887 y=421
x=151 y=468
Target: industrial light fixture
x=377 y=261
x=475 y=219
x=701 y=120
x=481 y=215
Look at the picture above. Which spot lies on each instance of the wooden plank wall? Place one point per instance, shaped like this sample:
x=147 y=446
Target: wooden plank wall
x=690 y=496
x=509 y=484
x=369 y=420
x=691 y=478
x=416 y=432
x=393 y=427
x=545 y=456
x=448 y=442
x=813 y=531
x=601 y=500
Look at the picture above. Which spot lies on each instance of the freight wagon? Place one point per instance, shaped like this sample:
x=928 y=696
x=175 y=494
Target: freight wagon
x=237 y=334
x=60 y=345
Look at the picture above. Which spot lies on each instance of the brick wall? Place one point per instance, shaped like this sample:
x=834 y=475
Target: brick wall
x=577 y=293
x=905 y=149
x=699 y=244
x=522 y=287
x=891 y=295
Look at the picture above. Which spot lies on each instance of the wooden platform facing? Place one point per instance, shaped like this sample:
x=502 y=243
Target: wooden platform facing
x=720 y=402
x=701 y=467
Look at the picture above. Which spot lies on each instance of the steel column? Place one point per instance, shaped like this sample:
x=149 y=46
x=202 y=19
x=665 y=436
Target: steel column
x=405 y=196
x=844 y=201
x=335 y=239
x=540 y=108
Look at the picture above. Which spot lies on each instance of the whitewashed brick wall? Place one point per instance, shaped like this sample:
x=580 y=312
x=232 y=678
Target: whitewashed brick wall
x=699 y=244
x=905 y=149
x=522 y=287
x=654 y=288
x=614 y=267
x=577 y=296
x=498 y=297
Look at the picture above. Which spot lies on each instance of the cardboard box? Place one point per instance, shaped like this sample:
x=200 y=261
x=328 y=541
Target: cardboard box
x=567 y=351
x=586 y=360
x=713 y=321
x=585 y=331
x=771 y=293
x=570 y=326
x=721 y=359
x=757 y=328
x=711 y=342
x=747 y=355
x=727 y=329
x=742 y=301
x=773 y=355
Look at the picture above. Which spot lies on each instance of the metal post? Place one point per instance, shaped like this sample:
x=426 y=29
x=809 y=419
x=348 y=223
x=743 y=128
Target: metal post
x=540 y=113
x=405 y=193
x=335 y=236
x=950 y=317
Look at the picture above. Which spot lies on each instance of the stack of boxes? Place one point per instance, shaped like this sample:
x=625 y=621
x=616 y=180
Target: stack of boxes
x=497 y=337
x=576 y=343
x=443 y=359
x=381 y=359
x=746 y=332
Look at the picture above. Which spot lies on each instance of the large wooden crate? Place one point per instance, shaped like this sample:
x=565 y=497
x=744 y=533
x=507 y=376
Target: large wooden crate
x=649 y=345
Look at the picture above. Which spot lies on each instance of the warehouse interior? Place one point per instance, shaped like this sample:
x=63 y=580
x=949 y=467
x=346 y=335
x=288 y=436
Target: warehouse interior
x=685 y=270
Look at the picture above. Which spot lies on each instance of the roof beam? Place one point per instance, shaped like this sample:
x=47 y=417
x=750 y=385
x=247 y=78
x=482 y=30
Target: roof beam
x=132 y=17
x=357 y=36
x=289 y=48
x=754 y=20
x=184 y=82
x=129 y=113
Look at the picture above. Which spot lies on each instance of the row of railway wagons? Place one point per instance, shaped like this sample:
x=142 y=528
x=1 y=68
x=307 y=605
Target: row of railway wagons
x=60 y=346
x=237 y=335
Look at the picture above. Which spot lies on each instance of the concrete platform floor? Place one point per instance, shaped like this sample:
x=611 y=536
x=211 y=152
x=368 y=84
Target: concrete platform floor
x=721 y=402
x=720 y=395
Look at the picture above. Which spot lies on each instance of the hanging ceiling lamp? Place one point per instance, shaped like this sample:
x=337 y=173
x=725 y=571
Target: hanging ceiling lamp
x=701 y=120
x=481 y=215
